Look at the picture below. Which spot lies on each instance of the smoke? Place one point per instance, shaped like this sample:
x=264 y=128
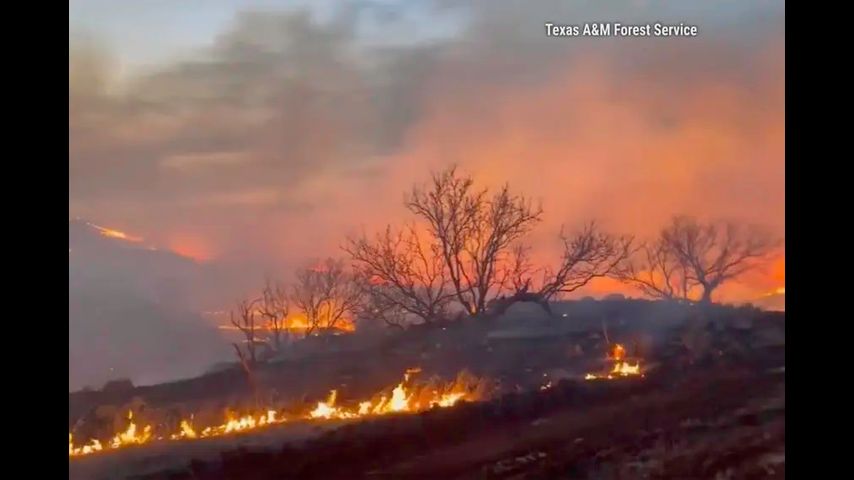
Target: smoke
x=290 y=131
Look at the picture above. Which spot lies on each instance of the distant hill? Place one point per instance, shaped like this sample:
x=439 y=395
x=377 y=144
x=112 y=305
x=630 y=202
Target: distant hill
x=129 y=312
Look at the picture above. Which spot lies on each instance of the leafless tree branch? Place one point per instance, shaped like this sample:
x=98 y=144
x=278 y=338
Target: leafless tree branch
x=274 y=310
x=325 y=294
x=690 y=260
x=402 y=271
x=474 y=232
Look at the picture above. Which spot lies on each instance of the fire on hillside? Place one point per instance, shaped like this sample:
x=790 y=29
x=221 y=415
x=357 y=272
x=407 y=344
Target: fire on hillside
x=407 y=397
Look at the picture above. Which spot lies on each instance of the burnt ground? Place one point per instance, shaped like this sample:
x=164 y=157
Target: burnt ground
x=712 y=405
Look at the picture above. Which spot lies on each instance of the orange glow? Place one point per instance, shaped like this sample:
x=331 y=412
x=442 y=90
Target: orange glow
x=192 y=246
x=107 y=232
x=778 y=270
x=298 y=323
x=556 y=143
x=776 y=291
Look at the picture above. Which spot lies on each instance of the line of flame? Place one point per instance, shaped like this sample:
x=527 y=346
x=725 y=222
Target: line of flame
x=402 y=399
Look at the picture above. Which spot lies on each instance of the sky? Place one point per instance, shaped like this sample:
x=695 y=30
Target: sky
x=258 y=134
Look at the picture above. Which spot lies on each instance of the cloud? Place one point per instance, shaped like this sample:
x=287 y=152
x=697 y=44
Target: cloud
x=191 y=162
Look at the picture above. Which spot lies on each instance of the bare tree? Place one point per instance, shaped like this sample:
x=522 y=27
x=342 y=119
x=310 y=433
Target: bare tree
x=274 y=309
x=690 y=260
x=518 y=270
x=245 y=322
x=403 y=275
x=714 y=253
x=474 y=232
x=325 y=294
x=657 y=273
x=376 y=306
x=587 y=254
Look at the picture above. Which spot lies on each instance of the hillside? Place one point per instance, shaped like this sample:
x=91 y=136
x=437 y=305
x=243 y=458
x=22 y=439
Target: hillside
x=129 y=311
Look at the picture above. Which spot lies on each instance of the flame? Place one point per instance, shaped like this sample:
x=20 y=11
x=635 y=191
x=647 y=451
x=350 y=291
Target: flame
x=449 y=399
x=130 y=436
x=621 y=368
x=108 y=232
x=625 y=369
x=298 y=323
x=244 y=423
x=404 y=398
x=328 y=409
x=93 y=446
x=186 y=431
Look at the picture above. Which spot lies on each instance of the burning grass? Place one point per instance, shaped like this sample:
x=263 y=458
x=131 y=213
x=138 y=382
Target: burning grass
x=622 y=367
x=407 y=397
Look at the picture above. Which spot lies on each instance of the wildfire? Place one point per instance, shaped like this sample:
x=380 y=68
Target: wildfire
x=246 y=422
x=622 y=368
x=93 y=446
x=328 y=409
x=403 y=398
x=107 y=232
x=130 y=436
x=298 y=323
x=186 y=431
